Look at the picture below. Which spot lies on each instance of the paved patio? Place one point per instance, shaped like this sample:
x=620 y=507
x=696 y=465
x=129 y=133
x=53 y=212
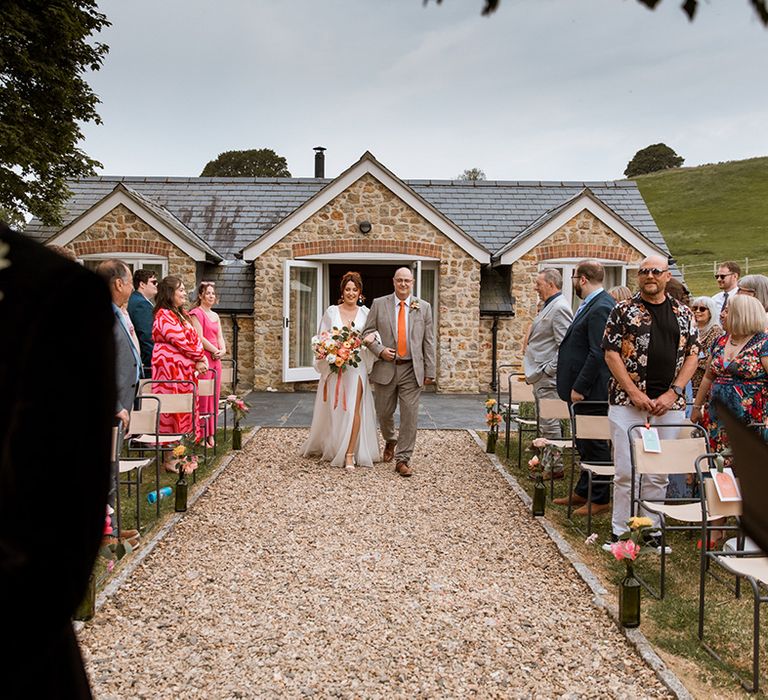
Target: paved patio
x=437 y=411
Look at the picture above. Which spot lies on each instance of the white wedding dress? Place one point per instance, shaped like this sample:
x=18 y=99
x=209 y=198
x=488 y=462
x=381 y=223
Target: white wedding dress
x=331 y=427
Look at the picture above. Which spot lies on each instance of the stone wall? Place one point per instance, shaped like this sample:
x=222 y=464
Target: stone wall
x=396 y=228
x=584 y=236
x=121 y=231
x=244 y=347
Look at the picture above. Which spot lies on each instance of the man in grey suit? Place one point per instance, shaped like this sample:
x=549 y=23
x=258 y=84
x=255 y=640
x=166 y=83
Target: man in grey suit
x=127 y=363
x=406 y=351
x=544 y=337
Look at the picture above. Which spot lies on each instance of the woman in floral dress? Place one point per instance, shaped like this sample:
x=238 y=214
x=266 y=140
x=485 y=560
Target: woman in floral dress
x=178 y=353
x=737 y=373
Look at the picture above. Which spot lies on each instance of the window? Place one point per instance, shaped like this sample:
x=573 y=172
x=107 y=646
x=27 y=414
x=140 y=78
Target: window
x=615 y=275
x=157 y=264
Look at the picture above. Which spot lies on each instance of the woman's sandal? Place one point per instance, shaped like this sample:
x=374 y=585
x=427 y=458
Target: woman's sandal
x=349 y=461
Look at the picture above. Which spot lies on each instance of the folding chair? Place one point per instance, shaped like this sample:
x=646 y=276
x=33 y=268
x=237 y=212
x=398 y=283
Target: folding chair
x=227 y=380
x=677 y=456
x=752 y=566
x=554 y=408
x=206 y=388
x=586 y=426
x=180 y=403
x=518 y=392
x=144 y=420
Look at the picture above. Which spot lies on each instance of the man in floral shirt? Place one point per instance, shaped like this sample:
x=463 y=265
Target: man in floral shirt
x=651 y=348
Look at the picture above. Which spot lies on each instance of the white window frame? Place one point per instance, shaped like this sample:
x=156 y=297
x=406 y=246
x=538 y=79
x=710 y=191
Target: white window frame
x=309 y=373
x=569 y=265
x=136 y=260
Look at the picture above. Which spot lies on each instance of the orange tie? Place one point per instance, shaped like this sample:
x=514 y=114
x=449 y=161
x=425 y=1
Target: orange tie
x=402 y=344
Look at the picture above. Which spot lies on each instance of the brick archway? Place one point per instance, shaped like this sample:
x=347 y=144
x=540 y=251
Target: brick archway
x=334 y=246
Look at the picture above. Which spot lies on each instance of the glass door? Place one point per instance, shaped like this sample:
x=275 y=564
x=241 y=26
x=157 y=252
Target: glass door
x=302 y=310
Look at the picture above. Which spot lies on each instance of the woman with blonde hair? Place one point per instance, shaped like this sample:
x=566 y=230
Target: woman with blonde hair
x=737 y=371
x=620 y=293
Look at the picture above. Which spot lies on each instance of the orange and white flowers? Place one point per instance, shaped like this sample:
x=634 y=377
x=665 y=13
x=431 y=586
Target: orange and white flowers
x=338 y=347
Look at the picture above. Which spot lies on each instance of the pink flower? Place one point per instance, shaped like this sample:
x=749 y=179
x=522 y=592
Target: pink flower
x=107 y=525
x=533 y=462
x=110 y=565
x=625 y=549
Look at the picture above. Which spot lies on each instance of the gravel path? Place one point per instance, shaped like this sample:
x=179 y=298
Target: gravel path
x=293 y=579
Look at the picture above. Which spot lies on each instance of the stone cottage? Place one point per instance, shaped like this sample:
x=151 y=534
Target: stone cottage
x=277 y=247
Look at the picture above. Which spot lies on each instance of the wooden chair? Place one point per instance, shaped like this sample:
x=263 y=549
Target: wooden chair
x=518 y=392
x=554 y=409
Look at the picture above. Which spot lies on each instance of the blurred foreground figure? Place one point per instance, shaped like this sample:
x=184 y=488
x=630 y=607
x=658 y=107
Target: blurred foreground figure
x=57 y=403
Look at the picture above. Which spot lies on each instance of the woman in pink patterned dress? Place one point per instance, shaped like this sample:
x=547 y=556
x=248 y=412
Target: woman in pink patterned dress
x=208 y=327
x=178 y=352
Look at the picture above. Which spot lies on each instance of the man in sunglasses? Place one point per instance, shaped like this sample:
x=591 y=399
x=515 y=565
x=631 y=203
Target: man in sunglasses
x=727 y=277
x=651 y=345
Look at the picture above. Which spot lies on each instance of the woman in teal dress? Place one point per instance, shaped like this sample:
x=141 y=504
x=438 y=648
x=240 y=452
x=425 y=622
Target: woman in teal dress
x=737 y=373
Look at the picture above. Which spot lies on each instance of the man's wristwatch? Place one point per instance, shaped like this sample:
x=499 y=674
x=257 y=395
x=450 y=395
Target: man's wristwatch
x=678 y=391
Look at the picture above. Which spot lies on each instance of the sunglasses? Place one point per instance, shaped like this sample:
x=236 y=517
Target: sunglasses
x=722 y=277
x=655 y=271
x=699 y=308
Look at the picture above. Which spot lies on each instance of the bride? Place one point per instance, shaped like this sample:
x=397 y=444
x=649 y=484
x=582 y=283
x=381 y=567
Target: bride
x=344 y=431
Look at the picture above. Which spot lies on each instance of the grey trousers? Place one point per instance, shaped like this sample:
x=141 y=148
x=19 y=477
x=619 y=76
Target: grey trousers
x=403 y=389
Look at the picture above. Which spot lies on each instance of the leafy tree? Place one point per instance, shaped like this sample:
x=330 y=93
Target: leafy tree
x=44 y=52
x=472 y=174
x=688 y=6
x=656 y=157
x=258 y=162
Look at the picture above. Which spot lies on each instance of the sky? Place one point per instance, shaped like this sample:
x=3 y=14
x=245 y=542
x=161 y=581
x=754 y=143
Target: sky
x=540 y=90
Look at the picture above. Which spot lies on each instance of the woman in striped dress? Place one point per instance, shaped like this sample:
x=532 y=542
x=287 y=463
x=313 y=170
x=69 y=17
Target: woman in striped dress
x=178 y=352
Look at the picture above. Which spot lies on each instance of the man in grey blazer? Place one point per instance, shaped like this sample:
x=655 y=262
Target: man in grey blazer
x=127 y=364
x=544 y=337
x=406 y=363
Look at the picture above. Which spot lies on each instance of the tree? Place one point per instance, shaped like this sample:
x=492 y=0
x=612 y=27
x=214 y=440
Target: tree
x=472 y=174
x=688 y=6
x=656 y=157
x=258 y=162
x=44 y=52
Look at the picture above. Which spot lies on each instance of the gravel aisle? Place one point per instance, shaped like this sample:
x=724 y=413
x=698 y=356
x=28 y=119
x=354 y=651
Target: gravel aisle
x=293 y=579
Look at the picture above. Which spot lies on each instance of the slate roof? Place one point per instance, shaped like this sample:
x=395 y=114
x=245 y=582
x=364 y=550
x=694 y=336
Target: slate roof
x=230 y=213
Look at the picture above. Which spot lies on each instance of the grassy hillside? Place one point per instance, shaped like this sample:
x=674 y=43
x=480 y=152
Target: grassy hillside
x=712 y=212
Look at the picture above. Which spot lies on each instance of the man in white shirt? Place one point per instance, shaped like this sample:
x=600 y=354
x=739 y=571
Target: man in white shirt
x=727 y=277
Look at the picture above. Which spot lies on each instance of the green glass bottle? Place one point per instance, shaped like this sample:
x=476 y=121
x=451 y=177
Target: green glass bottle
x=629 y=599
x=181 y=491
x=87 y=608
x=539 y=496
x=237 y=438
x=490 y=445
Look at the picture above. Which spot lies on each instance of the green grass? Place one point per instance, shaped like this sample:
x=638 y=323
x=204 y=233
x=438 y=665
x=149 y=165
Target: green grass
x=670 y=624
x=712 y=212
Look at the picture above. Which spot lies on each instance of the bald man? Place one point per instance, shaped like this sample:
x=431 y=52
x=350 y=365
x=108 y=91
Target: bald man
x=651 y=346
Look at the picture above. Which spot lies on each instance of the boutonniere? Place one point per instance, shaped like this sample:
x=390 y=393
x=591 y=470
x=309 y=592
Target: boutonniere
x=414 y=304
x=4 y=262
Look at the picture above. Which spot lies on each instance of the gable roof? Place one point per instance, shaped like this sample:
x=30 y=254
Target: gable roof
x=368 y=165
x=231 y=213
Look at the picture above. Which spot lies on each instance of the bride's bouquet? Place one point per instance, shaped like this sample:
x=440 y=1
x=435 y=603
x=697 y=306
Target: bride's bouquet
x=339 y=347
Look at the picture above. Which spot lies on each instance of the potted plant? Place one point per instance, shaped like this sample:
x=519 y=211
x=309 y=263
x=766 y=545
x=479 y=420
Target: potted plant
x=239 y=408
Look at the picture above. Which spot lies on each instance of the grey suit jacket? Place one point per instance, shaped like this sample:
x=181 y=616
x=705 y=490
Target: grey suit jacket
x=126 y=366
x=547 y=332
x=421 y=338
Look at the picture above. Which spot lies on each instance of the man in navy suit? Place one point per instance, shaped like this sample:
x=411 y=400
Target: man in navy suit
x=141 y=310
x=582 y=375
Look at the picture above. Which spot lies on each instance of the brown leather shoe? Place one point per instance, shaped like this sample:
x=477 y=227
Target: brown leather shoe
x=546 y=476
x=389 y=451
x=403 y=469
x=596 y=508
x=575 y=500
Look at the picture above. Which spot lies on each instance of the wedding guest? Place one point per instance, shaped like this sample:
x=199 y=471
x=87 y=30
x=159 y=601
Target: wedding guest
x=620 y=293
x=737 y=373
x=755 y=286
x=208 y=326
x=178 y=354
x=677 y=290
x=727 y=277
x=705 y=312
x=140 y=309
x=67 y=253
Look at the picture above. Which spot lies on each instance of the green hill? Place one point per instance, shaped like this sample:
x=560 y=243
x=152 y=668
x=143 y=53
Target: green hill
x=712 y=213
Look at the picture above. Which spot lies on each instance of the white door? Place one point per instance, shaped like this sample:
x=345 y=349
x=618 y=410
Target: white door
x=302 y=311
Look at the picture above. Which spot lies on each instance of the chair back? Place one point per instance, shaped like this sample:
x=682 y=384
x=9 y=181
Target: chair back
x=143 y=421
x=676 y=456
x=553 y=408
x=227 y=375
x=519 y=391
x=206 y=387
x=716 y=507
x=591 y=427
x=175 y=403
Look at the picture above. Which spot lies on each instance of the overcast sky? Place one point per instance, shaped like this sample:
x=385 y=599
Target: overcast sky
x=540 y=90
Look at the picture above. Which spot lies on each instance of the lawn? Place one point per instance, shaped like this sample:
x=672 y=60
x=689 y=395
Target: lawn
x=712 y=213
x=670 y=624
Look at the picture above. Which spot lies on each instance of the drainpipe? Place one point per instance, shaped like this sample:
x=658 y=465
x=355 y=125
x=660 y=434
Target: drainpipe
x=494 y=336
x=235 y=330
